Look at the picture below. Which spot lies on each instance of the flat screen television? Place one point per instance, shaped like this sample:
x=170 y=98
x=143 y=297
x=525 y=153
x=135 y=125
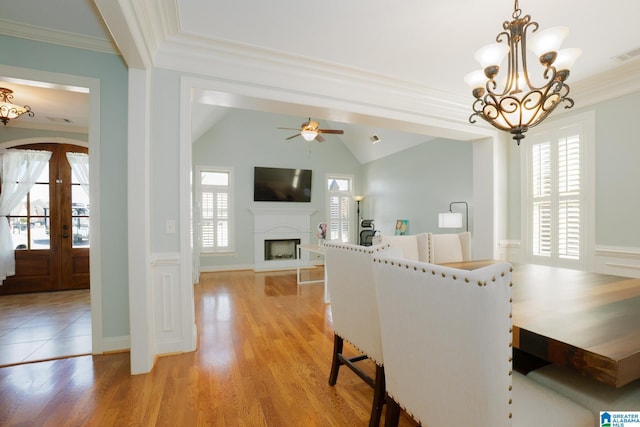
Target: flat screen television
x=281 y=185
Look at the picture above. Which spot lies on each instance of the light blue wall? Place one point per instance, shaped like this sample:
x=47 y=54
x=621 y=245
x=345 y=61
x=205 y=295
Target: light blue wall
x=617 y=172
x=417 y=184
x=617 y=199
x=244 y=139
x=165 y=156
x=112 y=73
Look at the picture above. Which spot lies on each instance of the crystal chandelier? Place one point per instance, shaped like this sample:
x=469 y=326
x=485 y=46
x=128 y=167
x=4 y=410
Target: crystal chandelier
x=517 y=103
x=9 y=110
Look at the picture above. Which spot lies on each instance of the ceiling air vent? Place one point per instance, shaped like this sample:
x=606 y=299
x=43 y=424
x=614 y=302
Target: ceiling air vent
x=628 y=55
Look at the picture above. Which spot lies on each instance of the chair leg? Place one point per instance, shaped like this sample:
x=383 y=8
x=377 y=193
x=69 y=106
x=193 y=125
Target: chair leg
x=392 y=418
x=378 y=398
x=336 y=362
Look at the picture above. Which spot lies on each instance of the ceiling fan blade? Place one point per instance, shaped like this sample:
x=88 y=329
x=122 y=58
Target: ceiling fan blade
x=291 y=137
x=334 y=131
x=319 y=138
x=289 y=128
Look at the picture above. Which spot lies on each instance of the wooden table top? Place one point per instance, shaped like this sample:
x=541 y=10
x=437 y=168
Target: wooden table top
x=586 y=321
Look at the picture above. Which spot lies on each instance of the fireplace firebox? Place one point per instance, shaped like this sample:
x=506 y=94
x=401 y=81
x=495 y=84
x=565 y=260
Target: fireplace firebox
x=280 y=249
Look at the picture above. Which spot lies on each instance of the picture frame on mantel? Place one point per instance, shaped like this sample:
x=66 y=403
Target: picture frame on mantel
x=322 y=233
x=401 y=227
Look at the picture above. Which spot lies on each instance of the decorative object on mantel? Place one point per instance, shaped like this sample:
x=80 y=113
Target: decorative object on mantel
x=322 y=233
x=401 y=227
x=9 y=110
x=310 y=131
x=520 y=104
x=453 y=219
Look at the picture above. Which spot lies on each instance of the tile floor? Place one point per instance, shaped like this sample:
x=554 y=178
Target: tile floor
x=43 y=326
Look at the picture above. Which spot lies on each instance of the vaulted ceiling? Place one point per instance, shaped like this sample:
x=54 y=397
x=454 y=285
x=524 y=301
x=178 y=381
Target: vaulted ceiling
x=419 y=49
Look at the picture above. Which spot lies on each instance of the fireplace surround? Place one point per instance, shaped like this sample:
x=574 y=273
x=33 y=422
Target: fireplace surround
x=281 y=224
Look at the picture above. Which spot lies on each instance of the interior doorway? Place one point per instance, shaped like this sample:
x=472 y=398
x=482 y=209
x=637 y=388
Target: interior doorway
x=50 y=227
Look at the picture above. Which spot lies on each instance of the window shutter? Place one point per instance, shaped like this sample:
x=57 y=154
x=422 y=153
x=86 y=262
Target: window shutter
x=556 y=198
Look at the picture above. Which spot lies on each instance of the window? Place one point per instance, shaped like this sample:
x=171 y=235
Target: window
x=340 y=197
x=557 y=166
x=215 y=204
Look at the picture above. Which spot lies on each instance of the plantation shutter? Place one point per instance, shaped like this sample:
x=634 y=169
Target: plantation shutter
x=215 y=210
x=339 y=201
x=556 y=198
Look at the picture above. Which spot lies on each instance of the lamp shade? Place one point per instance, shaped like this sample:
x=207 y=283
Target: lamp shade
x=476 y=79
x=309 y=135
x=491 y=55
x=548 y=40
x=566 y=58
x=450 y=220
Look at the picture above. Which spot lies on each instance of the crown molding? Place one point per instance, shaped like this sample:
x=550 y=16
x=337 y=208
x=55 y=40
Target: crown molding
x=47 y=35
x=611 y=84
x=329 y=85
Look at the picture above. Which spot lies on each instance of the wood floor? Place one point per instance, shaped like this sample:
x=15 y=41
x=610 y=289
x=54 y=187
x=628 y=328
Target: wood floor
x=263 y=359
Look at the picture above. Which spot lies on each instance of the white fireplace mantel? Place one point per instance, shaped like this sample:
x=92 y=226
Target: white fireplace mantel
x=271 y=223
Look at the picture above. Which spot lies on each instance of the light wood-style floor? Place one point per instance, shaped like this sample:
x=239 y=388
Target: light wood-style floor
x=44 y=326
x=263 y=359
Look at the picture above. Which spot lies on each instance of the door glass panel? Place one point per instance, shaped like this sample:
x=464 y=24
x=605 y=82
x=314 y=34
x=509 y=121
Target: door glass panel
x=30 y=218
x=80 y=224
x=19 y=232
x=79 y=212
x=39 y=212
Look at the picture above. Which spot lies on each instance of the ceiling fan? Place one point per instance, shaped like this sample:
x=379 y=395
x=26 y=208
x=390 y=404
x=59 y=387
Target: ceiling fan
x=310 y=131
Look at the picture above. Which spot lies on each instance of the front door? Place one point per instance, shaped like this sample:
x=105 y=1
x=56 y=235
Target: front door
x=50 y=228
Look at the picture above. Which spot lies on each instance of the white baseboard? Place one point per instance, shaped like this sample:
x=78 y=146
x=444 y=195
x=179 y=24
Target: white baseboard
x=115 y=344
x=214 y=268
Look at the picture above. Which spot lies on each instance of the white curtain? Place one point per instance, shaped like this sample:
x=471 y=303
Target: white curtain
x=80 y=166
x=19 y=170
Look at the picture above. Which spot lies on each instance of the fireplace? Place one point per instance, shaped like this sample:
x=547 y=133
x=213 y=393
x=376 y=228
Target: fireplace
x=278 y=249
x=281 y=229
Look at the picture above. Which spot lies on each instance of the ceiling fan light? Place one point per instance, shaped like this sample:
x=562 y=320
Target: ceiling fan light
x=309 y=135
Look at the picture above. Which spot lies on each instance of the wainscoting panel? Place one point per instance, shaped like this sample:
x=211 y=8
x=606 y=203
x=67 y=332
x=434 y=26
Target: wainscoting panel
x=167 y=303
x=620 y=261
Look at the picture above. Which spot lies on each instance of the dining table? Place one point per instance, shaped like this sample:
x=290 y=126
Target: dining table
x=585 y=321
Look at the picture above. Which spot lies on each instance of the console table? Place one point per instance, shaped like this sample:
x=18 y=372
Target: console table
x=316 y=249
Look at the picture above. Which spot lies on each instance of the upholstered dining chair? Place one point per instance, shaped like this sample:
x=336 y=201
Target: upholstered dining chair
x=354 y=310
x=446 y=340
x=445 y=248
